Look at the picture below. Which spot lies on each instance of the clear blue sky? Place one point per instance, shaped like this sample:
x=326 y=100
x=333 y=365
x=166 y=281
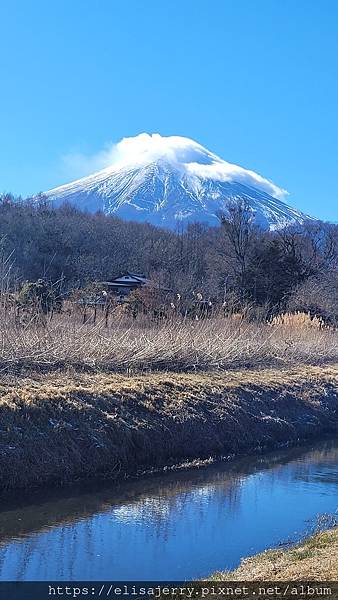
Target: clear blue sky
x=255 y=81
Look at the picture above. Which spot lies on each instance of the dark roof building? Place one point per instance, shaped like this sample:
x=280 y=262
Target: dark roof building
x=125 y=284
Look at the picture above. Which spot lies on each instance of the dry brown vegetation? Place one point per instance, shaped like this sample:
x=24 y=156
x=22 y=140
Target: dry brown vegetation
x=299 y=320
x=57 y=427
x=315 y=559
x=123 y=344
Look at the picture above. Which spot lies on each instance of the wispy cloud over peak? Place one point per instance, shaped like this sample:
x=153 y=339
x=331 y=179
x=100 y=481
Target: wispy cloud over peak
x=182 y=152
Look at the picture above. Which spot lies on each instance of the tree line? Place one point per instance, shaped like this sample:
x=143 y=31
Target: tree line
x=236 y=263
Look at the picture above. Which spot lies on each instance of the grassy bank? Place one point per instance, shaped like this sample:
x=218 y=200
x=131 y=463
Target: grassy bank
x=57 y=428
x=314 y=559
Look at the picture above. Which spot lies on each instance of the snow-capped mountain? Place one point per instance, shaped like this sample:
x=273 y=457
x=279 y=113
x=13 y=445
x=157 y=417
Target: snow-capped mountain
x=167 y=180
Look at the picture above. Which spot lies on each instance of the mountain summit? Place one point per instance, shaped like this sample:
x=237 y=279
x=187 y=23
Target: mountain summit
x=166 y=180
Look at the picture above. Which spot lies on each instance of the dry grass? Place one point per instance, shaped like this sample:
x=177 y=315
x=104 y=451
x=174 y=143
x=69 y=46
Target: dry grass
x=315 y=559
x=299 y=320
x=70 y=409
x=57 y=427
x=178 y=345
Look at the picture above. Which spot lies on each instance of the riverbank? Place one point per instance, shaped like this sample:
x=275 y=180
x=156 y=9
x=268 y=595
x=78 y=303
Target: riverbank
x=314 y=559
x=59 y=428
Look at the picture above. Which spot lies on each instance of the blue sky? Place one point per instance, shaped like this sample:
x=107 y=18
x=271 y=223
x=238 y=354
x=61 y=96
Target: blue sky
x=255 y=81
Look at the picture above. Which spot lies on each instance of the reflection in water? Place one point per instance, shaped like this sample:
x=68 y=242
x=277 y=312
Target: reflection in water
x=177 y=526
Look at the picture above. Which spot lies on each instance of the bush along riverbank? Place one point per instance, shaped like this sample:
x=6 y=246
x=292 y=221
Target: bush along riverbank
x=58 y=428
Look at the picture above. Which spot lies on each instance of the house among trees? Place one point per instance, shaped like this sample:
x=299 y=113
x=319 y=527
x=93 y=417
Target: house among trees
x=123 y=285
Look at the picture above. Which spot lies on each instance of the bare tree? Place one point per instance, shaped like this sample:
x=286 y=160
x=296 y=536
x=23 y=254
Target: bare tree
x=240 y=232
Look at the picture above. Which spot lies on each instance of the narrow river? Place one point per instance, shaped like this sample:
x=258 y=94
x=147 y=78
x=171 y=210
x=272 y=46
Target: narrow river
x=180 y=525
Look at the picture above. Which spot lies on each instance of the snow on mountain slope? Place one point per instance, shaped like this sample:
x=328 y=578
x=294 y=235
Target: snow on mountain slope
x=166 y=180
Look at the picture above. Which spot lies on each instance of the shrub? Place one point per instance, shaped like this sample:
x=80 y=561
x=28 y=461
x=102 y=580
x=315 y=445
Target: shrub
x=298 y=320
x=38 y=297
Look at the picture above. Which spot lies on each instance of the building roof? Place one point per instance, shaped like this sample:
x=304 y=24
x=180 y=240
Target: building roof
x=128 y=279
x=117 y=283
x=131 y=280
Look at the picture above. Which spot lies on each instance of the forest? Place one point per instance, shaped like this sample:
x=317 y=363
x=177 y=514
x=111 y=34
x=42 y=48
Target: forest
x=234 y=264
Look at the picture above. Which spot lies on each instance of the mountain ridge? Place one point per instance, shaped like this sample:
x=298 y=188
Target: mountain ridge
x=173 y=180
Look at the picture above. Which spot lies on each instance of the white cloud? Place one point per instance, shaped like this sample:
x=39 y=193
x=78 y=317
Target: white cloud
x=182 y=152
x=78 y=164
x=228 y=172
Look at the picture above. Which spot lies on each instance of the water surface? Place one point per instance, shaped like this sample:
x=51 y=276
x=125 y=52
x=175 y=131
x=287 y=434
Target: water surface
x=180 y=525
